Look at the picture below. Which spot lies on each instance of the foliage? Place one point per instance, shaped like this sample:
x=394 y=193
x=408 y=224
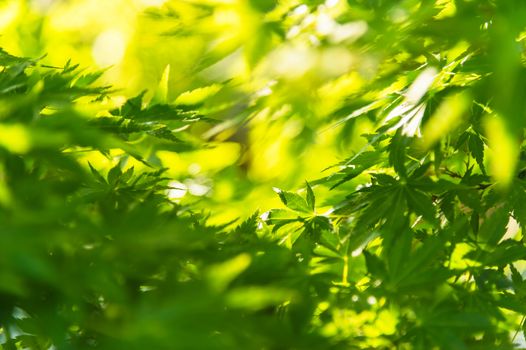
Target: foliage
x=413 y=241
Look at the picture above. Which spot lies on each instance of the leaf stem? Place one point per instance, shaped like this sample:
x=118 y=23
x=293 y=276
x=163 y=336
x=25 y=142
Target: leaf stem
x=519 y=328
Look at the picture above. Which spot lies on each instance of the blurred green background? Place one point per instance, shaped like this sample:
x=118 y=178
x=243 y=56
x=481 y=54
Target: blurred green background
x=272 y=74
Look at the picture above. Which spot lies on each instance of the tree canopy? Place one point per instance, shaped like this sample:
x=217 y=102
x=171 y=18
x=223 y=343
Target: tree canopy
x=262 y=174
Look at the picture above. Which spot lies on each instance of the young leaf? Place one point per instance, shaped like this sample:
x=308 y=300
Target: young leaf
x=114 y=174
x=311 y=199
x=293 y=201
x=96 y=174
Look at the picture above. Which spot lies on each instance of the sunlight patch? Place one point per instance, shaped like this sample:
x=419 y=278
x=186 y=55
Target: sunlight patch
x=108 y=48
